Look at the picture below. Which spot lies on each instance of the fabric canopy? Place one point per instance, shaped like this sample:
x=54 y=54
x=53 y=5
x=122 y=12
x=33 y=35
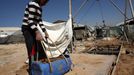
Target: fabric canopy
x=60 y=36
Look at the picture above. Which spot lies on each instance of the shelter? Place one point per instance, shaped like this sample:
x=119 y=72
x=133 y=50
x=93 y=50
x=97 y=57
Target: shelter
x=107 y=31
x=128 y=28
x=81 y=32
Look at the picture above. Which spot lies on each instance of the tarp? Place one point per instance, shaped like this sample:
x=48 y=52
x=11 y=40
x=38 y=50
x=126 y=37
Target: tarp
x=60 y=35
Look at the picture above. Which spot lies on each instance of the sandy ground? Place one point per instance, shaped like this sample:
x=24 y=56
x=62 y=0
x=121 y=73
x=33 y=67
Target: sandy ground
x=13 y=56
x=126 y=61
x=125 y=65
x=89 y=64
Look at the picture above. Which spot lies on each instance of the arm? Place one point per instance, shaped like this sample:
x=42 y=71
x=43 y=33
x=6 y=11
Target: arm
x=43 y=28
x=34 y=16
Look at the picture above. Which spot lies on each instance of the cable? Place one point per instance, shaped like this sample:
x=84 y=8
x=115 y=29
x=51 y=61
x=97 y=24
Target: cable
x=101 y=11
x=111 y=1
x=82 y=5
x=85 y=14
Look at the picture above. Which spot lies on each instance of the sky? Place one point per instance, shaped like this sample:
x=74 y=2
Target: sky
x=12 y=11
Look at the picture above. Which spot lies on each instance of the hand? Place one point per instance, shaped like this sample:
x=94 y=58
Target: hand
x=38 y=36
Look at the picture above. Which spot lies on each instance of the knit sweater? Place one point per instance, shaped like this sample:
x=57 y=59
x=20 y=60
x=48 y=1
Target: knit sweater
x=33 y=16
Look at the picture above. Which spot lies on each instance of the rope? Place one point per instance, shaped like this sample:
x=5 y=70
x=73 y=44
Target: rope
x=59 y=51
x=48 y=47
x=51 y=69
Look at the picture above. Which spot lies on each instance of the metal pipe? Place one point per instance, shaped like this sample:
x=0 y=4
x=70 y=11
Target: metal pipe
x=71 y=18
x=125 y=27
x=70 y=9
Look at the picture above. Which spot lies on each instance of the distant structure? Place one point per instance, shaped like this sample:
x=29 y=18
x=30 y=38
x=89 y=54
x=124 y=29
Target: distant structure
x=108 y=31
x=9 y=29
x=81 y=32
x=128 y=29
x=11 y=35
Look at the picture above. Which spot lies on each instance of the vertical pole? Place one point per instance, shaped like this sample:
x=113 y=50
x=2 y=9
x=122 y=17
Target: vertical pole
x=70 y=9
x=131 y=6
x=125 y=27
x=71 y=22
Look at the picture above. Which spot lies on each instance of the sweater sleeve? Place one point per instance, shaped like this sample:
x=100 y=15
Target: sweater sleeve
x=42 y=25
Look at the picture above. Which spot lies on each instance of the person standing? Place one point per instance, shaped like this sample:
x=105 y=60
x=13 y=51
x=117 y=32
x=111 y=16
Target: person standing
x=32 y=18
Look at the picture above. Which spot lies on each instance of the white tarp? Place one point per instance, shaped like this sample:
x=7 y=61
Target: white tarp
x=60 y=35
